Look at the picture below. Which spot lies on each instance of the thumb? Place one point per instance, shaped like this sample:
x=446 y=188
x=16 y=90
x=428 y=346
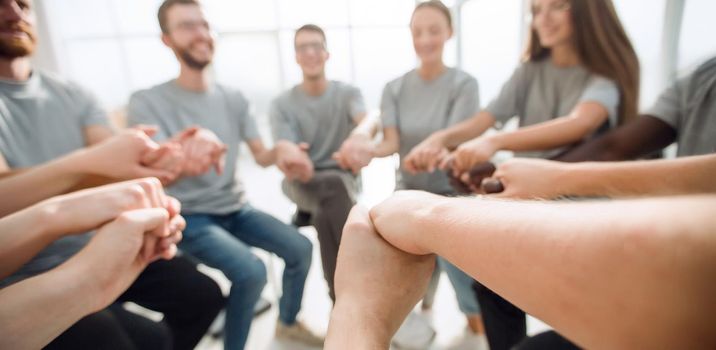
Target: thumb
x=304 y=146
x=219 y=165
x=186 y=133
x=154 y=155
x=149 y=130
x=447 y=162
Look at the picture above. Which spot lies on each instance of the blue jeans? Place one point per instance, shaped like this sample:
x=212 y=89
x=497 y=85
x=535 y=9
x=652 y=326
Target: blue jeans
x=462 y=283
x=224 y=242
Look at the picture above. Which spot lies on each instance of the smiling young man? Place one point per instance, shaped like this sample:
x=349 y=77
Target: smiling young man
x=324 y=127
x=221 y=226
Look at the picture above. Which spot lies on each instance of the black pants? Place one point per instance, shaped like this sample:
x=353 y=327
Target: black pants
x=549 y=340
x=505 y=324
x=115 y=328
x=188 y=299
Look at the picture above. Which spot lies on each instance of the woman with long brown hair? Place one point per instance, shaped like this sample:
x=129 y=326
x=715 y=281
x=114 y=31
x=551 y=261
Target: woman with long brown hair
x=579 y=76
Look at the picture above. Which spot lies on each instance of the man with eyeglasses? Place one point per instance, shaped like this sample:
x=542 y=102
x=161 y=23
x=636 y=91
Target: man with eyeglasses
x=222 y=226
x=325 y=126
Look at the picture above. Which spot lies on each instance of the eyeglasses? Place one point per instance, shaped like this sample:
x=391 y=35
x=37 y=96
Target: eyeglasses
x=191 y=26
x=315 y=47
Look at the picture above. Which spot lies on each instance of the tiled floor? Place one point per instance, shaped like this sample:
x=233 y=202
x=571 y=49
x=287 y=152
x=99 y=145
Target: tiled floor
x=263 y=188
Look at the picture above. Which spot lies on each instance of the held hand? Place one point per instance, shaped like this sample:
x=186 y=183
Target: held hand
x=121 y=156
x=400 y=219
x=355 y=153
x=528 y=178
x=426 y=156
x=88 y=209
x=376 y=286
x=118 y=252
x=293 y=161
x=472 y=153
x=169 y=157
x=202 y=150
x=471 y=181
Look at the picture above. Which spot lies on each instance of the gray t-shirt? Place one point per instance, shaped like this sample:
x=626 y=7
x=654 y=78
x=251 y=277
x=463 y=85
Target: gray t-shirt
x=539 y=91
x=220 y=109
x=418 y=108
x=323 y=122
x=40 y=120
x=689 y=107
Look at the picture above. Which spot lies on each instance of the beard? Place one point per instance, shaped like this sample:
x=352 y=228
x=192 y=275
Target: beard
x=18 y=47
x=185 y=55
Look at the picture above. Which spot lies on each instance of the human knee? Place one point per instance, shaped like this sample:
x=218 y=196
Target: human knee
x=251 y=273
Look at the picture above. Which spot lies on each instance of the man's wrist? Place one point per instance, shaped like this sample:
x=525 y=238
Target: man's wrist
x=352 y=324
x=84 y=279
x=283 y=146
x=569 y=179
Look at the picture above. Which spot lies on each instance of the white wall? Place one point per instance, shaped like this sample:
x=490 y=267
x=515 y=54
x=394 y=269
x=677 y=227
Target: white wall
x=113 y=46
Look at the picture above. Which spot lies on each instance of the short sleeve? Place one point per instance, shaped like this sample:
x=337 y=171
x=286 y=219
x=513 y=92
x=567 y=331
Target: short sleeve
x=90 y=110
x=668 y=107
x=604 y=92
x=247 y=123
x=467 y=102
x=389 y=106
x=506 y=104
x=282 y=127
x=356 y=104
x=140 y=111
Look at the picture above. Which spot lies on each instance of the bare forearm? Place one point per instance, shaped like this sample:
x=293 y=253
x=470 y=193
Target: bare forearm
x=575 y=266
x=36 y=310
x=22 y=236
x=384 y=149
x=368 y=125
x=263 y=156
x=641 y=137
x=466 y=130
x=389 y=145
x=30 y=186
x=356 y=328
x=552 y=134
x=266 y=158
x=689 y=175
x=376 y=287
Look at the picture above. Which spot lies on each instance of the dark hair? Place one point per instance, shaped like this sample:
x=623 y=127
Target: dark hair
x=310 y=28
x=438 y=5
x=164 y=8
x=603 y=48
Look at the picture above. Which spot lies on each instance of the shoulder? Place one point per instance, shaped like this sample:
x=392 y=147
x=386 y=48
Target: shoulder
x=462 y=79
x=284 y=98
x=154 y=93
x=235 y=97
x=601 y=82
x=395 y=84
x=231 y=92
x=344 y=89
x=61 y=86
